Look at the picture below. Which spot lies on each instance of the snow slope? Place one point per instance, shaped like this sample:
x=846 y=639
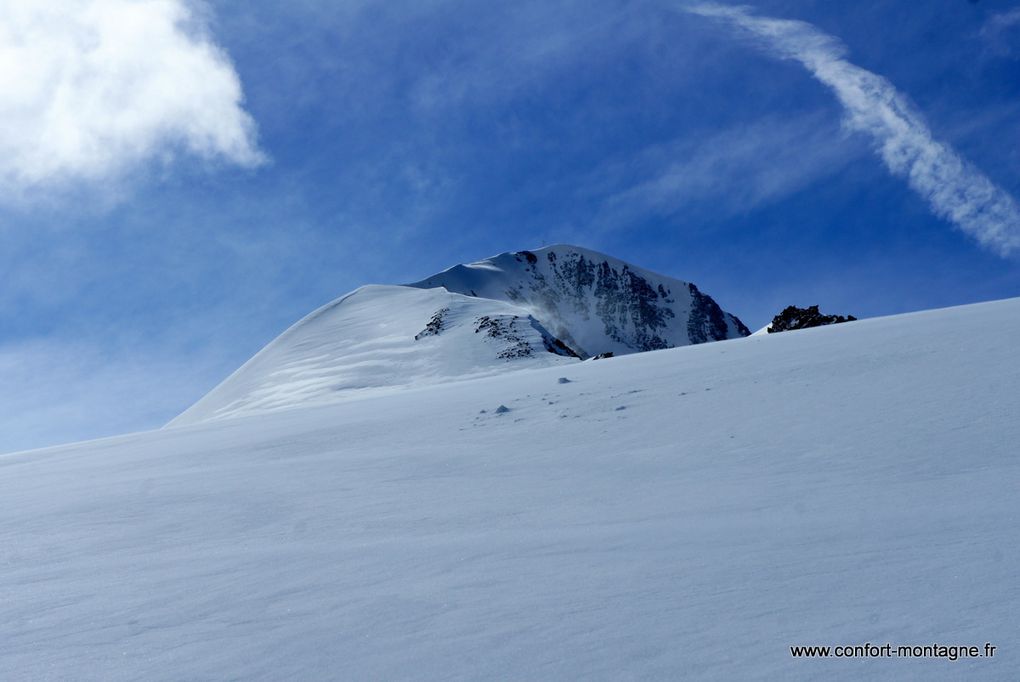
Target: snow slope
x=381 y=338
x=593 y=302
x=682 y=514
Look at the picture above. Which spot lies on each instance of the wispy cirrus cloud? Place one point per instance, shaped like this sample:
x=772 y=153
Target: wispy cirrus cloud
x=954 y=188
x=91 y=88
x=1000 y=28
x=736 y=169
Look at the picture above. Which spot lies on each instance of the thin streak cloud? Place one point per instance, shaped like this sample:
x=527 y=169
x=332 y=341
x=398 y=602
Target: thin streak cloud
x=954 y=189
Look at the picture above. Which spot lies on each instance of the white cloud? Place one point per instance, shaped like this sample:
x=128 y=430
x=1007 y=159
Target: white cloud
x=954 y=189
x=91 y=88
x=1000 y=30
x=734 y=170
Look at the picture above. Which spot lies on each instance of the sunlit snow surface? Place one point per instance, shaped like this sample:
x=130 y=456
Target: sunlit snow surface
x=365 y=343
x=688 y=513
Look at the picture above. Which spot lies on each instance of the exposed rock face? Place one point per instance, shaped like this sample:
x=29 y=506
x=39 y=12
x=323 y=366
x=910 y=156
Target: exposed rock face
x=514 y=331
x=801 y=318
x=434 y=325
x=707 y=321
x=594 y=303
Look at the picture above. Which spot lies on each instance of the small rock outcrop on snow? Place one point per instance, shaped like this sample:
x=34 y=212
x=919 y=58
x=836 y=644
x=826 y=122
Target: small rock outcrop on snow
x=793 y=317
x=434 y=325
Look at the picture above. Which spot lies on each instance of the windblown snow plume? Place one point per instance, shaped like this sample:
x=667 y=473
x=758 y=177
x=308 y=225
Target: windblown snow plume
x=955 y=189
x=88 y=88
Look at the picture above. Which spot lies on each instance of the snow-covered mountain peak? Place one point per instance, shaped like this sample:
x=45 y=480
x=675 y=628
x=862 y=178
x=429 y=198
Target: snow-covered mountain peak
x=526 y=309
x=593 y=302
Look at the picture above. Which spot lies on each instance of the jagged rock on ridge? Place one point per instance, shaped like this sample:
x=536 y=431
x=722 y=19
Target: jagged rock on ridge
x=793 y=317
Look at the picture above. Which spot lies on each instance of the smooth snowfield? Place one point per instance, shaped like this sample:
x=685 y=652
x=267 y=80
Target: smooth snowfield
x=682 y=514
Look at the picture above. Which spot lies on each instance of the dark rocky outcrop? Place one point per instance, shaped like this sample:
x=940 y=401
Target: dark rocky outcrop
x=434 y=326
x=707 y=321
x=801 y=318
x=508 y=329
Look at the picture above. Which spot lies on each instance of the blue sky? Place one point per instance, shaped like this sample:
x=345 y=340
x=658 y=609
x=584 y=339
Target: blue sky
x=260 y=159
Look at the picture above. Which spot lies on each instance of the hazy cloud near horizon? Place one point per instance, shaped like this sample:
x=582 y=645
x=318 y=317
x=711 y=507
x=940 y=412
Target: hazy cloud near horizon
x=89 y=89
x=954 y=189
